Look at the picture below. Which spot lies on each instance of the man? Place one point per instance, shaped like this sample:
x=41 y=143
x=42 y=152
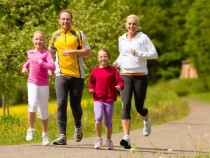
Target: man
x=70 y=45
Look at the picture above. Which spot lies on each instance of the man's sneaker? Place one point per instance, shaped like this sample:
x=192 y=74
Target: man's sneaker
x=30 y=134
x=45 y=137
x=61 y=140
x=109 y=144
x=78 y=134
x=147 y=128
x=98 y=143
x=125 y=142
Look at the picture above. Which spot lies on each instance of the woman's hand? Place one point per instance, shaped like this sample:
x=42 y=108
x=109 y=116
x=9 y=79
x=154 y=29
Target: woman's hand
x=133 y=52
x=115 y=64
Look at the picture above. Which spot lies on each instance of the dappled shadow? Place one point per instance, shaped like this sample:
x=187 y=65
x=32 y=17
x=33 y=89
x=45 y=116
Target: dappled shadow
x=135 y=149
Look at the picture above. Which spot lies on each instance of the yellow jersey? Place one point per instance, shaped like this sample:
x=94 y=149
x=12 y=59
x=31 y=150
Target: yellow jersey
x=70 y=65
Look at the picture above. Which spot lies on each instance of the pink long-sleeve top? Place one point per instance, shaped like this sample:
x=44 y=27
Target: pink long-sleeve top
x=39 y=64
x=103 y=81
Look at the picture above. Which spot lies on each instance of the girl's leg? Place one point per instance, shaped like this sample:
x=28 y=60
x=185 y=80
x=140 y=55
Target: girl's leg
x=43 y=112
x=31 y=119
x=44 y=125
x=108 y=113
x=32 y=107
x=32 y=103
x=98 y=110
x=43 y=107
x=98 y=127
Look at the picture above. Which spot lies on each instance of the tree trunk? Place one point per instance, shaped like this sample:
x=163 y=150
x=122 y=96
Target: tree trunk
x=3 y=105
x=7 y=102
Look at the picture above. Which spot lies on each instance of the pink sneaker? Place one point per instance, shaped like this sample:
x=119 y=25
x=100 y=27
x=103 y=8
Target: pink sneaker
x=109 y=144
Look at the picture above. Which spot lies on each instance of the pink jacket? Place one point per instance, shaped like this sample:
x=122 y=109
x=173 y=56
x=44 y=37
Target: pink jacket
x=39 y=64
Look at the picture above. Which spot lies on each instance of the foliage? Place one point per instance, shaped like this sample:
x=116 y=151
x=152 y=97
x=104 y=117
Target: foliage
x=198 y=42
x=184 y=87
x=178 y=29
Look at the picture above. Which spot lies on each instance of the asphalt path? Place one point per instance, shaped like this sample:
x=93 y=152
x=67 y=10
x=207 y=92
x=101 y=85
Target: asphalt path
x=185 y=138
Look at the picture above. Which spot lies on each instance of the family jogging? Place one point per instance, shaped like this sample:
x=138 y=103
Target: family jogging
x=70 y=46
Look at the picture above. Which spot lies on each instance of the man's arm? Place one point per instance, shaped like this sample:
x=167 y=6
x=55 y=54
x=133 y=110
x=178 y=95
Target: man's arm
x=81 y=52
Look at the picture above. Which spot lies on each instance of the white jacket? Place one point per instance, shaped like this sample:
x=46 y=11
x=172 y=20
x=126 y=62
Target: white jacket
x=144 y=49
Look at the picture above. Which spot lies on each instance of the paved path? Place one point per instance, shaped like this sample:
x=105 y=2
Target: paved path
x=182 y=138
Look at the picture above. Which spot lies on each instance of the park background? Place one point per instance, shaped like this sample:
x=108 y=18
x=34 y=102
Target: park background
x=179 y=30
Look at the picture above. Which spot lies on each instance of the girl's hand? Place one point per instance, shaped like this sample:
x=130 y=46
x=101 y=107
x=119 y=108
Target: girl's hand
x=91 y=91
x=51 y=73
x=118 y=87
x=24 y=70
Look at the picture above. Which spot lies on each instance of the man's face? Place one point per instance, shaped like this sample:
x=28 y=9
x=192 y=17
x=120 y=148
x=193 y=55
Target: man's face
x=65 y=21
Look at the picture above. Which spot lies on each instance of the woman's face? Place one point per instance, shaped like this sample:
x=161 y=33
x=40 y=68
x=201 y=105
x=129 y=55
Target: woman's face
x=131 y=25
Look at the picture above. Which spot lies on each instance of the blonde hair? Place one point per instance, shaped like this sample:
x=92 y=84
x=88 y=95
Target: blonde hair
x=44 y=36
x=135 y=17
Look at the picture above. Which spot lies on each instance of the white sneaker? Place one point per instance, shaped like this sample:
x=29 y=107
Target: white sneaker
x=109 y=144
x=98 y=143
x=30 y=134
x=147 y=128
x=125 y=142
x=45 y=137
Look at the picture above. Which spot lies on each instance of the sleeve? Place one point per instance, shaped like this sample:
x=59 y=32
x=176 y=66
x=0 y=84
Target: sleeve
x=150 y=50
x=27 y=63
x=51 y=47
x=92 y=81
x=49 y=64
x=118 y=60
x=119 y=79
x=85 y=43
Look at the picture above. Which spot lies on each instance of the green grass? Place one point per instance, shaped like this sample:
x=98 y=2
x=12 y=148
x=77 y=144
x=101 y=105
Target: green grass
x=164 y=106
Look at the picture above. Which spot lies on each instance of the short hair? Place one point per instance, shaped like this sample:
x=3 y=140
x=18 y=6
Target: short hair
x=66 y=11
x=135 y=17
x=105 y=50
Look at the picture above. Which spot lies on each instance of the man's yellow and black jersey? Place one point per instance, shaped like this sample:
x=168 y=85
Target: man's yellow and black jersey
x=70 y=65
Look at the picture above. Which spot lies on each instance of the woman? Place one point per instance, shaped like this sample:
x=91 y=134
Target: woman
x=135 y=48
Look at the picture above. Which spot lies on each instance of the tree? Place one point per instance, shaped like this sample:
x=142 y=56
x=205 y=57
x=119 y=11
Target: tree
x=198 y=42
x=24 y=18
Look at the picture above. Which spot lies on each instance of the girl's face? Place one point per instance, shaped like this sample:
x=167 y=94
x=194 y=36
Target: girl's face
x=103 y=58
x=39 y=41
x=131 y=25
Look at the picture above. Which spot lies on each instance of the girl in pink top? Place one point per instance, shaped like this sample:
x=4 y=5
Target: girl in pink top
x=39 y=61
x=104 y=83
